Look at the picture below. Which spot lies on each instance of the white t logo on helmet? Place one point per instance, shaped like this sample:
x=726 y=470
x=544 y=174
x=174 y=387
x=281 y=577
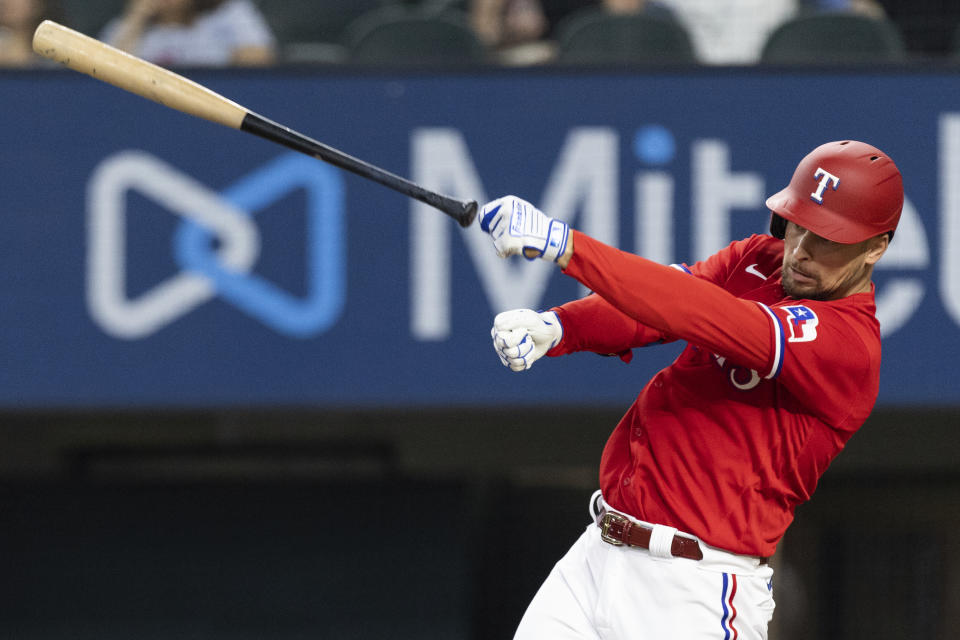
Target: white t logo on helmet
x=817 y=196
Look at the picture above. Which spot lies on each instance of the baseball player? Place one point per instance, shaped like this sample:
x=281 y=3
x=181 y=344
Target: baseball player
x=701 y=477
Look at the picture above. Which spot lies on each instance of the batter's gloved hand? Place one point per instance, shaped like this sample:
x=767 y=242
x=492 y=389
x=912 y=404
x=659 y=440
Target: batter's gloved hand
x=519 y=228
x=522 y=336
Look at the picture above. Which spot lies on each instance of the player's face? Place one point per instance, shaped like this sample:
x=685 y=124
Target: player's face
x=815 y=268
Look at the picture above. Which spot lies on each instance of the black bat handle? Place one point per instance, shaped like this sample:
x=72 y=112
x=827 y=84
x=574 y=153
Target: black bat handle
x=463 y=211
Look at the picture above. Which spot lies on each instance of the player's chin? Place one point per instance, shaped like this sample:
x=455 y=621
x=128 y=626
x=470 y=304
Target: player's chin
x=806 y=291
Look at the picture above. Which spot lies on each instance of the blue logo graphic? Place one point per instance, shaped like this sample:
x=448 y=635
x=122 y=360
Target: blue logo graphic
x=654 y=144
x=325 y=276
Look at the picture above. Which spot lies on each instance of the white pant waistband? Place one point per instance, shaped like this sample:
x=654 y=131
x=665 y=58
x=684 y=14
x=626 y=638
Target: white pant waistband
x=713 y=557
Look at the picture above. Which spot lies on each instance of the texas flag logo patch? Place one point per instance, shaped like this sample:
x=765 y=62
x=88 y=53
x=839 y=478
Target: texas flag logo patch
x=802 y=322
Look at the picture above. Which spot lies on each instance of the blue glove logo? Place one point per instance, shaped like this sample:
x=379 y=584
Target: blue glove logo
x=485 y=220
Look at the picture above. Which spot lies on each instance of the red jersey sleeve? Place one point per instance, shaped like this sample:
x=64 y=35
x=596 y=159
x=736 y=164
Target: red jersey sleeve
x=828 y=355
x=720 y=266
x=670 y=302
x=593 y=324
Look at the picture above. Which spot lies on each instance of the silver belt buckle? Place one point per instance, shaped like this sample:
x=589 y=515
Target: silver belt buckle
x=612 y=519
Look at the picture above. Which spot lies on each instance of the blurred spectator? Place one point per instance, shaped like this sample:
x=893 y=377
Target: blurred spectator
x=193 y=32
x=731 y=31
x=866 y=7
x=521 y=31
x=18 y=21
x=514 y=29
x=636 y=6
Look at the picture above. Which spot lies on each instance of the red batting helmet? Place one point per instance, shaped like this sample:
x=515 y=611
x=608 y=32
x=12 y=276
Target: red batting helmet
x=845 y=191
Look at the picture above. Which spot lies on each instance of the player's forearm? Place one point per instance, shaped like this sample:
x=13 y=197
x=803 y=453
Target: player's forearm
x=665 y=299
x=593 y=324
x=672 y=302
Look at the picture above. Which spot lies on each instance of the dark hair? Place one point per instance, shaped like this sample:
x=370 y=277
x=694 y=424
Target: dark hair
x=778 y=228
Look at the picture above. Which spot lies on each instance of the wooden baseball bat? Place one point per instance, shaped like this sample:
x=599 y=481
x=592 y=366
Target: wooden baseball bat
x=130 y=73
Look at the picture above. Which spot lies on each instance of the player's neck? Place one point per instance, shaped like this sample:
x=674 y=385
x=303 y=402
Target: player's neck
x=862 y=284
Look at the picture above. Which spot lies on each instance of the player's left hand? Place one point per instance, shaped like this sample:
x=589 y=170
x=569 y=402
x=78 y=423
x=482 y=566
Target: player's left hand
x=519 y=228
x=523 y=336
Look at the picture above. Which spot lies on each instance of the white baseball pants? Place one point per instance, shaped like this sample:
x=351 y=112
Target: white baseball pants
x=599 y=591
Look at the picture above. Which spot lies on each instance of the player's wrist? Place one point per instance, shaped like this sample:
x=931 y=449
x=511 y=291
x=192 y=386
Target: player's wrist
x=553 y=329
x=555 y=243
x=563 y=260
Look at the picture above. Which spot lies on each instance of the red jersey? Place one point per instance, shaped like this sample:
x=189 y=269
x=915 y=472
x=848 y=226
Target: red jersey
x=725 y=442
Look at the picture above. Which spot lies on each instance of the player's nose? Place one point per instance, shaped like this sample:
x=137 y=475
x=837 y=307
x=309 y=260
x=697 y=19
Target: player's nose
x=805 y=246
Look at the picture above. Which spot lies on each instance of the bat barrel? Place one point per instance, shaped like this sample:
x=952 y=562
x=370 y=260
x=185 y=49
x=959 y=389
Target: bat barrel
x=108 y=64
x=103 y=62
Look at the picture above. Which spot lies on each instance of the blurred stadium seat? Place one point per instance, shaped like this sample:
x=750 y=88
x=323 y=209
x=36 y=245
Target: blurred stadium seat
x=954 y=52
x=399 y=35
x=834 y=38
x=594 y=36
x=91 y=17
x=312 y=32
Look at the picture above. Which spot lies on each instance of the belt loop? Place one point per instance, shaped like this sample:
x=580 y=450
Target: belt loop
x=661 y=541
x=596 y=505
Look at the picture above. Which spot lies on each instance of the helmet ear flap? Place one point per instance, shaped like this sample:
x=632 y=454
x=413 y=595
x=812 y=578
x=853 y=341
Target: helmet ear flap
x=778 y=226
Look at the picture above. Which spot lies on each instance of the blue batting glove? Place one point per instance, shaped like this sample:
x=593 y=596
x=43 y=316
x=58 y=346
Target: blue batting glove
x=519 y=228
x=523 y=336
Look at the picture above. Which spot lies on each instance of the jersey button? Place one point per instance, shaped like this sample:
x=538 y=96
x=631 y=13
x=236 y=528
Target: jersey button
x=626 y=481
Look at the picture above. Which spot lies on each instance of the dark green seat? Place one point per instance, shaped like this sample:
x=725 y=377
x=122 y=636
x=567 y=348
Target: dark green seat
x=954 y=52
x=296 y=21
x=832 y=38
x=595 y=36
x=91 y=17
x=311 y=31
x=405 y=36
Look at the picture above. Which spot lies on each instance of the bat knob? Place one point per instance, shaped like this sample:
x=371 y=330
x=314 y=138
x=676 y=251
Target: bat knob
x=467 y=214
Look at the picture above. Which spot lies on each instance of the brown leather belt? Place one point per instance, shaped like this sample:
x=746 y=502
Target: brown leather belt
x=619 y=530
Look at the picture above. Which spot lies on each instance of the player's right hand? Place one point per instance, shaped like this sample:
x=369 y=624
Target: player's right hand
x=519 y=228
x=523 y=336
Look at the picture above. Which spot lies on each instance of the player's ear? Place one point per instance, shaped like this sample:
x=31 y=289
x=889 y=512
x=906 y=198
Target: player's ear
x=876 y=247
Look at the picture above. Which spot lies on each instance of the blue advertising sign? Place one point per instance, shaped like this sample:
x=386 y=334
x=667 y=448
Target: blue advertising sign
x=156 y=260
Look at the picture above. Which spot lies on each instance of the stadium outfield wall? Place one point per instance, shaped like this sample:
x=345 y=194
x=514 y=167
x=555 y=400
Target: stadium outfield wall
x=156 y=260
